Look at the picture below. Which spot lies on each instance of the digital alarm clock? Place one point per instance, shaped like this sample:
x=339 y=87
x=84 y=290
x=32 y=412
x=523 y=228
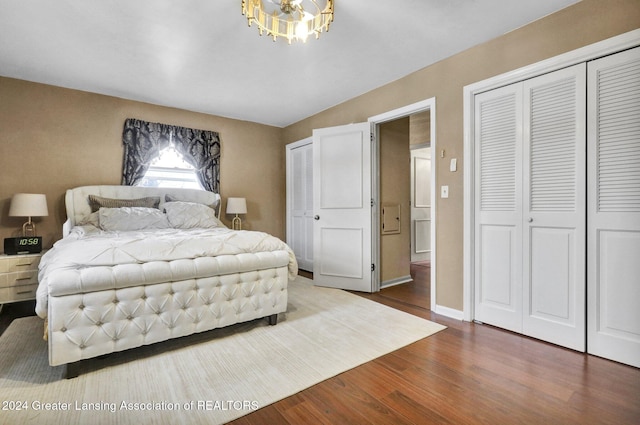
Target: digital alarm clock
x=23 y=245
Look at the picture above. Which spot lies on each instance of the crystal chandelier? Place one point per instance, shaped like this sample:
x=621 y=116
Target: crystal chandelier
x=291 y=19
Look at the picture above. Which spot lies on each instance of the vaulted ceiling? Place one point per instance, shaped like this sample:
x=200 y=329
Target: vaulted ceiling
x=200 y=55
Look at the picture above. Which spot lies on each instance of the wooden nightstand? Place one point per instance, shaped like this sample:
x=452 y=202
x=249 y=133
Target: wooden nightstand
x=18 y=277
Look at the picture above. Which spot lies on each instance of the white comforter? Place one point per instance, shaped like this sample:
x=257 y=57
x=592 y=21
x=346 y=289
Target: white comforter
x=90 y=259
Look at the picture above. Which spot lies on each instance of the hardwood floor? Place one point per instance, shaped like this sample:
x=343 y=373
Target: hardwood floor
x=416 y=293
x=466 y=374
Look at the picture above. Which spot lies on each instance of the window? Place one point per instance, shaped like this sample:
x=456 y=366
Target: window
x=169 y=169
x=144 y=143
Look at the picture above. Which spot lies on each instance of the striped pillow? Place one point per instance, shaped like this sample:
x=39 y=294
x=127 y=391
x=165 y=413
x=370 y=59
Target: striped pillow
x=97 y=201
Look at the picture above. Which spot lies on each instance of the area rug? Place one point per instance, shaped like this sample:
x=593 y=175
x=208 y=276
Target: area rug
x=208 y=378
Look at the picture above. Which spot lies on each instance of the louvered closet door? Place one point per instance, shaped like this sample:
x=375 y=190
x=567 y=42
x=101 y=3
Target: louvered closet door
x=498 y=208
x=530 y=207
x=554 y=206
x=614 y=207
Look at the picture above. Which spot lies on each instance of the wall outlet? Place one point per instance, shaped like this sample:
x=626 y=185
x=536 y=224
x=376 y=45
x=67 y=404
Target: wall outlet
x=444 y=191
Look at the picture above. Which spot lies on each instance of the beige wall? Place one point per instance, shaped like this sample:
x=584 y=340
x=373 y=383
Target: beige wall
x=585 y=23
x=52 y=139
x=395 y=173
x=420 y=128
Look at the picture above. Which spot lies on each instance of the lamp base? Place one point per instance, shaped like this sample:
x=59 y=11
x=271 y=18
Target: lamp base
x=236 y=224
x=29 y=228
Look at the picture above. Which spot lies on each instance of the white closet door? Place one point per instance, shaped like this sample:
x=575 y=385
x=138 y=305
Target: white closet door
x=498 y=208
x=301 y=205
x=554 y=205
x=614 y=207
x=530 y=207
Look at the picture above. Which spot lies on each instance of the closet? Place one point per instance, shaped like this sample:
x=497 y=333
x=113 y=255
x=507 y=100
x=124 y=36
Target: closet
x=531 y=207
x=300 y=202
x=557 y=206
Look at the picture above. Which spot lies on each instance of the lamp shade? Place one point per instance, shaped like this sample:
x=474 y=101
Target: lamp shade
x=28 y=205
x=236 y=206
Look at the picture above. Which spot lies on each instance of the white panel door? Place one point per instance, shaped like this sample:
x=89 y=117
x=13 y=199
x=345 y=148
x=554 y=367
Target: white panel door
x=300 y=182
x=554 y=204
x=614 y=207
x=498 y=208
x=420 y=204
x=342 y=207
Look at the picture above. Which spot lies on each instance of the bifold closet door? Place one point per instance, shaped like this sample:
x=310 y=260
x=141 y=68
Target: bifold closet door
x=498 y=209
x=530 y=207
x=301 y=204
x=554 y=207
x=614 y=207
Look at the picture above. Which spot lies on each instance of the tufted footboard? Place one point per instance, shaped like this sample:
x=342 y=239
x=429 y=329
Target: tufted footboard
x=87 y=325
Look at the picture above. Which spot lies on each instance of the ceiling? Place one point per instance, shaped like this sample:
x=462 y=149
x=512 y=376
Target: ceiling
x=199 y=55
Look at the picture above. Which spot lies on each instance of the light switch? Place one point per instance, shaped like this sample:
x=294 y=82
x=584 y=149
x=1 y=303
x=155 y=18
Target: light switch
x=453 y=166
x=444 y=191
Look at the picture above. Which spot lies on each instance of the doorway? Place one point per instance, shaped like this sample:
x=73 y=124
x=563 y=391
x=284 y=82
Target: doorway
x=403 y=139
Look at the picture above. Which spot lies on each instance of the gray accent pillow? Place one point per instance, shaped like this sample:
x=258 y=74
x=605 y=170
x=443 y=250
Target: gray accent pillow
x=96 y=202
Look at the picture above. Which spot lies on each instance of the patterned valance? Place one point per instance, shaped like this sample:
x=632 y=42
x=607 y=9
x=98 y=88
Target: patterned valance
x=144 y=140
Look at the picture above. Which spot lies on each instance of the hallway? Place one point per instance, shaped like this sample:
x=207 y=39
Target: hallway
x=416 y=293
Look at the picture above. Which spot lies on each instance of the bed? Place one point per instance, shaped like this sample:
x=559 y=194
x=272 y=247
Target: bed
x=138 y=266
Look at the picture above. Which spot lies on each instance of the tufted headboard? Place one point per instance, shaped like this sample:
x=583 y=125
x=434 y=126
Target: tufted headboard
x=77 y=199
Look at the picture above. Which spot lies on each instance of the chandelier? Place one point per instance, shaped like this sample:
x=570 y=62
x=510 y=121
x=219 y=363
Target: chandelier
x=291 y=19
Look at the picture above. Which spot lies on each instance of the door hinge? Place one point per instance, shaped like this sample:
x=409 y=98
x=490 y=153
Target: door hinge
x=373 y=203
x=373 y=267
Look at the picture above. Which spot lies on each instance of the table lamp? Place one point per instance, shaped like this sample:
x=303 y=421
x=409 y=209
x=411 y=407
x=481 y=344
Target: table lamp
x=236 y=206
x=28 y=205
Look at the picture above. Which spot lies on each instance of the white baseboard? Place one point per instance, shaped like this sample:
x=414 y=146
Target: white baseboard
x=396 y=281
x=449 y=312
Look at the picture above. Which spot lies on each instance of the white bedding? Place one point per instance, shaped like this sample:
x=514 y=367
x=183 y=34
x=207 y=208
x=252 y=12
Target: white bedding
x=90 y=259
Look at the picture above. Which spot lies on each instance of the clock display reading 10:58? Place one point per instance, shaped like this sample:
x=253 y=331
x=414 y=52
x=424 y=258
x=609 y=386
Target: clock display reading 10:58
x=28 y=241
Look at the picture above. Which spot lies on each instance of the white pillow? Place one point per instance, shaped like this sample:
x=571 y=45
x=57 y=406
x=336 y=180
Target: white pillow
x=131 y=218
x=92 y=219
x=189 y=215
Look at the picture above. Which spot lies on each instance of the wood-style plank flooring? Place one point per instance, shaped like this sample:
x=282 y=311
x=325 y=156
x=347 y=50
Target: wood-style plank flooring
x=466 y=374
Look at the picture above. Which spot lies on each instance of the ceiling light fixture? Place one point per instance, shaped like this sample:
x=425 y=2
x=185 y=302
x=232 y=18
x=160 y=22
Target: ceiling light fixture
x=291 y=19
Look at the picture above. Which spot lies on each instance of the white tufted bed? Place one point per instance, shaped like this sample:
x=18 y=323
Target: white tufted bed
x=126 y=275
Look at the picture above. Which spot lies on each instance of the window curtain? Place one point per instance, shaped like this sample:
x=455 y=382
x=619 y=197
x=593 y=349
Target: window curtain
x=144 y=140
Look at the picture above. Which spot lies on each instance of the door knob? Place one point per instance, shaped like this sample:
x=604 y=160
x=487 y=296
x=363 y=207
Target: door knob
x=530 y=219
x=316 y=217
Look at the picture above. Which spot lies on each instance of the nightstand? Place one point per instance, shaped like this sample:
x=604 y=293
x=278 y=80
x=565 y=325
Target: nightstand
x=18 y=277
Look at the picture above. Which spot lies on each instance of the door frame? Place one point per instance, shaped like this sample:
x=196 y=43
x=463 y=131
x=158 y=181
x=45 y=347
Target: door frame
x=583 y=54
x=375 y=121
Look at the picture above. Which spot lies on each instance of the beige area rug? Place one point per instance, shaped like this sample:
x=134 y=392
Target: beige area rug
x=207 y=378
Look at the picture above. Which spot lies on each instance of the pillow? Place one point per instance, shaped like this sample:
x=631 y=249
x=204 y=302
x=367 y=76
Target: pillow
x=96 y=202
x=190 y=215
x=131 y=218
x=92 y=219
x=171 y=198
